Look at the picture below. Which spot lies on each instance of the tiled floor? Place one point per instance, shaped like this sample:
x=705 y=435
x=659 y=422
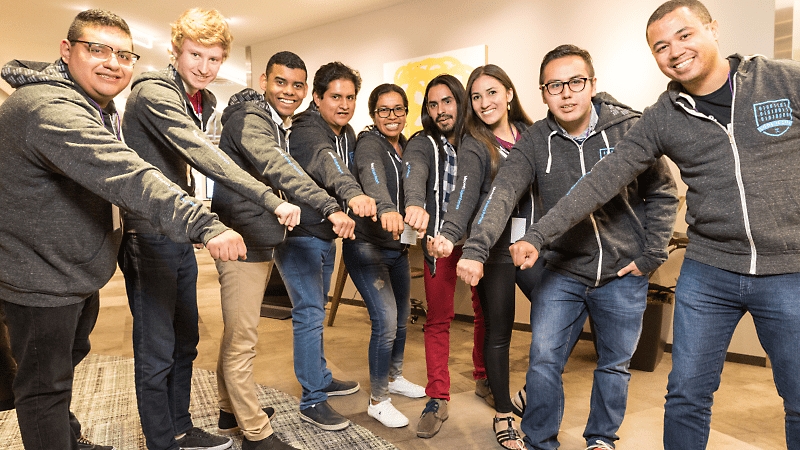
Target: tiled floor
x=748 y=413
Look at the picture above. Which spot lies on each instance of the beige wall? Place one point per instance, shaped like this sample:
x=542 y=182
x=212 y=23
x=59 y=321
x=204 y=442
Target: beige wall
x=518 y=34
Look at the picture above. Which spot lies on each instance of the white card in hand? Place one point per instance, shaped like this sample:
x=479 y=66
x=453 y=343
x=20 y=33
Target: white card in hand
x=517 y=228
x=409 y=235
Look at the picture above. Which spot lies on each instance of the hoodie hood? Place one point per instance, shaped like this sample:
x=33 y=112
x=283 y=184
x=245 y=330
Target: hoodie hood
x=169 y=77
x=609 y=110
x=18 y=73
x=246 y=98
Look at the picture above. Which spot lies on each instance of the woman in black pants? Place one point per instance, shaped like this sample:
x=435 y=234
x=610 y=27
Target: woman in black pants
x=495 y=123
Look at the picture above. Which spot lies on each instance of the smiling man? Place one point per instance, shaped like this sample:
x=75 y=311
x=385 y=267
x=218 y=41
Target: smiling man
x=165 y=121
x=63 y=166
x=728 y=124
x=255 y=137
x=599 y=267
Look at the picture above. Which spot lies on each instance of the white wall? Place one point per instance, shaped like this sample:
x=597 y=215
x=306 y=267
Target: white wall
x=518 y=33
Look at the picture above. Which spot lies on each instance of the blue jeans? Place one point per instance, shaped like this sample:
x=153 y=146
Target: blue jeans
x=160 y=278
x=382 y=277
x=709 y=302
x=306 y=265
x=559 y=307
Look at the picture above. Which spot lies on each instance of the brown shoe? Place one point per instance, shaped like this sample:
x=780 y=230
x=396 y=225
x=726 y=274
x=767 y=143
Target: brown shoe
x=483 y=391
x=432 y=418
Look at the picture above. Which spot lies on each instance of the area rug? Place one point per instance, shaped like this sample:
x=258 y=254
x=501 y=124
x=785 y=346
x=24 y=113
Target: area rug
x=104 y=399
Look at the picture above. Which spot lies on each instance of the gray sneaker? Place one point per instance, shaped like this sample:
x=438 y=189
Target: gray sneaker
x=432 y=418
x=325 y=417
x=483 y=391
x=199 y=439
x=339 y=387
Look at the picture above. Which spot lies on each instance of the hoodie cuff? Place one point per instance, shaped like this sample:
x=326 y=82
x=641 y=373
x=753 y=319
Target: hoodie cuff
x=212 y=231
x=473 y=254
x=646 y=264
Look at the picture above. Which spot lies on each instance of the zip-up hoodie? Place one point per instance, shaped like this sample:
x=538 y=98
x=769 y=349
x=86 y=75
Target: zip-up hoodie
x=325 y=157
x=472 y=186
x=255 y=140
x=160 y=124
x=743 y=180
x=635 y=225
x=378 y=168
x=62 y=169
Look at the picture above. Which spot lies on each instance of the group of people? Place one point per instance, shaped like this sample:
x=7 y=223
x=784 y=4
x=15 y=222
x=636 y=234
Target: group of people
x=488 y=188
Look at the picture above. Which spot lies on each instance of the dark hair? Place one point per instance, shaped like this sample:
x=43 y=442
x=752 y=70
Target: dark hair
x=287 y=59
x=459 y=94
x=384 y=88
x=694 y=6
x=563 y=51
x=331 y=72
x=95 y=18
x=477 y=128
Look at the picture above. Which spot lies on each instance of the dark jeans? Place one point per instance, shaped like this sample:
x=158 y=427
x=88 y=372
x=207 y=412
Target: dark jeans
x=8 y=367
x=47 y=344
x=160 y=278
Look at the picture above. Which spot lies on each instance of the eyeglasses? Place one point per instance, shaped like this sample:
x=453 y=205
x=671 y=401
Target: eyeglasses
x=399 y=111
x=103 y=52
x=556 y=87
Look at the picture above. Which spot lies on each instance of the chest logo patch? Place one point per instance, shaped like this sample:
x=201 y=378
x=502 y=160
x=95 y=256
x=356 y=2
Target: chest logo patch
x=774 y=117
x=606 y=151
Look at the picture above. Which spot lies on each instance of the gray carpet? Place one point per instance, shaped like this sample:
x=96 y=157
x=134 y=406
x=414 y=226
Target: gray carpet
x=104 y=400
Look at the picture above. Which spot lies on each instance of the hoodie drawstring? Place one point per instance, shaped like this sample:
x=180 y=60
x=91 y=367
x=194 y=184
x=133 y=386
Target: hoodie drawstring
x=549 y=151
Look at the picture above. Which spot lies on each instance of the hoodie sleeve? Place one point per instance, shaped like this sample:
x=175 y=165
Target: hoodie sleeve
x=474 y=166
x=416 y=169
x=634 y=154
x=369 y=157
x=513 y=180
x=259 y=146
x=312 y=148
x=97 y=161
x=658 y=189
x=160 y=109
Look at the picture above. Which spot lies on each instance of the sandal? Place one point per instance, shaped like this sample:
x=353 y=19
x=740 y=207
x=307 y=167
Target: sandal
x=509 y=434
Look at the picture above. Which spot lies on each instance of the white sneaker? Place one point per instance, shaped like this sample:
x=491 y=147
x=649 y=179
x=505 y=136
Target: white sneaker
x=599 y=445
x=385 y=413
x=404 y=387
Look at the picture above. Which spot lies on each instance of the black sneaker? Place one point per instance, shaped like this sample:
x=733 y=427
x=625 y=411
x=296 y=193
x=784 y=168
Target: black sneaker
x=323 y=416
x=269 y=443
x=197 y=439
x=227 y=421
x=339 y=387
x=85 y=444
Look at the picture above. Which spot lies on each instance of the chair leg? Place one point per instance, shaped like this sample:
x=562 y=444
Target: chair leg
x=338 y=288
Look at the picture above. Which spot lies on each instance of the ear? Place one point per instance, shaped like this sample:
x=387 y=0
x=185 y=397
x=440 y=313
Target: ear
x=65 y=50
x=714 y=26
x=509 y=95
x=594 y=87
x=262 y=82
x=316 y=98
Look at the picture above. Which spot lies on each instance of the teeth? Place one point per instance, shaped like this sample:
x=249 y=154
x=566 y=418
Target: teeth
x=392 y=126
x=488 y=112
x=683 y=64
x=283 y=100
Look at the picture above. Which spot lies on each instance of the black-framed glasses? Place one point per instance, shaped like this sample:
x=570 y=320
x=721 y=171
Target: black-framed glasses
x=399 y=111
x=557 y=87
x=103 y=52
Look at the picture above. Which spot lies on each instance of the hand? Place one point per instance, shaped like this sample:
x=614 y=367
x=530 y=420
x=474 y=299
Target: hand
x=343 y=225
x=441 y=247
x=630 y=269
x=199 y=246
x=288 y=214
x=227 y=246
x=364 y=206
x=417 y=218
x=393 y=223
x=524 y=254
x=470 y=271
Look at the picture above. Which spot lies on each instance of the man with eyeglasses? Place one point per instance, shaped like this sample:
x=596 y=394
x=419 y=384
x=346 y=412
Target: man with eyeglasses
x=166 y=118
x=63 y=166
x=597 y=268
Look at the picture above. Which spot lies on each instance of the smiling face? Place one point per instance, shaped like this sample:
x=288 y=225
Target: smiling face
x=284 y=89
x=442 y=108
x=686 y=51
x=572 y=110
x=337 y=104
x=490 y=101
x=197 y=64
x=391 y=126
x=101 y=80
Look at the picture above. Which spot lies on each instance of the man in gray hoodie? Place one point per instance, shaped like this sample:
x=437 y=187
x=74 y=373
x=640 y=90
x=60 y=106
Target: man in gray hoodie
x=600 y=266
x=63 y=167
x=165 y=121
x=728 y=126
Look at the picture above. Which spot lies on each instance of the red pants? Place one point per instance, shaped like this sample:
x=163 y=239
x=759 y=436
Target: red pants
x=439 y=293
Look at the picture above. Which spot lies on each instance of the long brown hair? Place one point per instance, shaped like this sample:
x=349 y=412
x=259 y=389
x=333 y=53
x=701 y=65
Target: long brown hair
x=477 y=128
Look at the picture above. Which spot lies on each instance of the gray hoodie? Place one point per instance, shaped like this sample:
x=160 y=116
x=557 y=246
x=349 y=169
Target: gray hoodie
x=635 y=225
x=255 y=141
x=158 y=124
x=743 y=180
x=62 y=169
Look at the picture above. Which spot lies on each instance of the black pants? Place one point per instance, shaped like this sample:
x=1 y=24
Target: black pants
x=47 y=344
x=8 y=368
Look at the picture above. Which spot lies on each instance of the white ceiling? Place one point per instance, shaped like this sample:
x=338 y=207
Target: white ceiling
x=32 y=29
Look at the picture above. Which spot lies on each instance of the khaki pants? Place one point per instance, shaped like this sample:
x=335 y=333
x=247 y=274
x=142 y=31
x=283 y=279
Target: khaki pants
x=242 y=286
